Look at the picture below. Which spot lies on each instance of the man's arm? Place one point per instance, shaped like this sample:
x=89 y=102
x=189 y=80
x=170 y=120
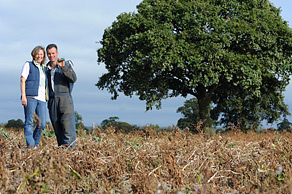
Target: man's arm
x=68 y=71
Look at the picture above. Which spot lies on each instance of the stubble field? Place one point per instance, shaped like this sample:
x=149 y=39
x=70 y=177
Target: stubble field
x=148 y=161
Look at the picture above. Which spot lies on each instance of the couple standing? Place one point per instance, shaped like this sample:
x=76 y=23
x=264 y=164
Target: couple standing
x=53 y=83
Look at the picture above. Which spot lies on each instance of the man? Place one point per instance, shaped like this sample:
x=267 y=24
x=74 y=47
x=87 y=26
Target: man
x=60 y=83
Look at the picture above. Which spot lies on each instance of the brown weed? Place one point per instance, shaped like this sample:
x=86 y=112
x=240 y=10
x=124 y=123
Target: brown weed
x=149 y=161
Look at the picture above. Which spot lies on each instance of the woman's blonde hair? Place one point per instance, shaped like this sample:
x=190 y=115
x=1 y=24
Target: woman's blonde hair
x=36 y=50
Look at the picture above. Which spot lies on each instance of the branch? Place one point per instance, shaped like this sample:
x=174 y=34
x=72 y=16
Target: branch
x=222 y=176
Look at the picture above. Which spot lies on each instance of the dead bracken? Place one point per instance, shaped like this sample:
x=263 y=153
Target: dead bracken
x=148 y=161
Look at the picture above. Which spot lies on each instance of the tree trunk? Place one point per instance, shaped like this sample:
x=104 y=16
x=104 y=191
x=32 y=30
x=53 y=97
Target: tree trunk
x=204 y=102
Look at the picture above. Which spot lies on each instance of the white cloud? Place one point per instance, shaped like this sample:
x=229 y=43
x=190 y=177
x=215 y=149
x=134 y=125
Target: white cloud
x=75 y=26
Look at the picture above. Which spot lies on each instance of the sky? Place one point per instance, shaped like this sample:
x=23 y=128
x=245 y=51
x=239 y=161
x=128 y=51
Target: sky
x=77 y=27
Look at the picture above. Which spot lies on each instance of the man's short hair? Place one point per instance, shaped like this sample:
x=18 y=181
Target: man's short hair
x=52 y=46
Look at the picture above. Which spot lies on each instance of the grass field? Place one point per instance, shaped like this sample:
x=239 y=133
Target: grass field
x=148 y=161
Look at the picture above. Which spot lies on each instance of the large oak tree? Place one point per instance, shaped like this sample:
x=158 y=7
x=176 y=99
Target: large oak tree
x=233 y=56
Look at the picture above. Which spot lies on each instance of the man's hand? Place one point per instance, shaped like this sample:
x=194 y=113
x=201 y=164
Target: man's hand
x=61 y=62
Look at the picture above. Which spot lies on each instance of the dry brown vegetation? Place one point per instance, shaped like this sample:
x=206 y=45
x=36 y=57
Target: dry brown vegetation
x=148 y=161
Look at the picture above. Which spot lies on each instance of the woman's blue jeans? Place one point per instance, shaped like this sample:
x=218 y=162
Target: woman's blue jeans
x=33 y=136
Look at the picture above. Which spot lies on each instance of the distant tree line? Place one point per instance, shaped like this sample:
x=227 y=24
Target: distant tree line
x=190 y=120
x=17 y=124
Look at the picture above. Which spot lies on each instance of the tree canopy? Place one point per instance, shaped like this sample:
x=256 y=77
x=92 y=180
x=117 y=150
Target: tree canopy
x=284 y=125
x=233 y=56
x=119 y=125
x=12 y=123
x=190 y=111
x=78 y=121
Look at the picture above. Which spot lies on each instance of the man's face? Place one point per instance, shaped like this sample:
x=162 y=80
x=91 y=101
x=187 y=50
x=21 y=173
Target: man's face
x=52 y=54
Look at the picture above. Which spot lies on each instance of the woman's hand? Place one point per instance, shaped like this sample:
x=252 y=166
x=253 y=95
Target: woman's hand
x=24 y=101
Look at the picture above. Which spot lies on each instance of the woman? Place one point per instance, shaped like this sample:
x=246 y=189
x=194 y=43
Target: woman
x=33 y=96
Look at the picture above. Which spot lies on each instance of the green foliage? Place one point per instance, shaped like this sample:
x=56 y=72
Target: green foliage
x=118 y=125
x=48 y=134
x=48 y=130
x=124 y=126
x=233 y=54
x=111 y=121
x=79 y=124
x=4 y=133
x=15 y=124
x=190 y=111
x=284 y=125
x=155 y=127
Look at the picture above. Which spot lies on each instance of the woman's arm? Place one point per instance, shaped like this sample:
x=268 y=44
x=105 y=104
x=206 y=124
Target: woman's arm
x=23 y=94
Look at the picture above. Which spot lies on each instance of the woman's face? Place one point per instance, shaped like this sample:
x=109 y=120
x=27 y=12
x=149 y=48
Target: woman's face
x=39 y=56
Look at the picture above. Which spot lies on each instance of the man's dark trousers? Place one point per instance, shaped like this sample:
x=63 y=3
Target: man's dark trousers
x=63 y=119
